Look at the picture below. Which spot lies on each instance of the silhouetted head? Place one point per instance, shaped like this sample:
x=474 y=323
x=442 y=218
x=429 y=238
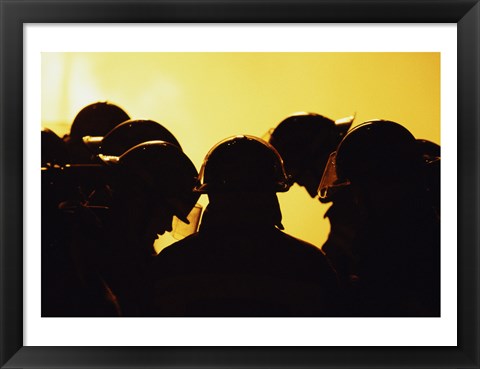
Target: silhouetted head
x=241 y=176
x=380 y=159
x=129 y=134
x=378 y=149
x=304 y=140
x=97 y=119
x=242 y=164
x=53 y=149
x=155 y=183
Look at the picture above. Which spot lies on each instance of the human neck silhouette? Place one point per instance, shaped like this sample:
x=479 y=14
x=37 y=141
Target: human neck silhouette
x=245 y=210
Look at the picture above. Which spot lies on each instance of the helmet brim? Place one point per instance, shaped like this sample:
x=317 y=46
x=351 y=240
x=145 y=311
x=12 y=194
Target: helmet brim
x=93 y=143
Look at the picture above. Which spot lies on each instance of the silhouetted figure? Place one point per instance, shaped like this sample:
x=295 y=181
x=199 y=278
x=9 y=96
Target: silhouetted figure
x=397 y=246
x=116 y=206
x=305 y=141
x=96 y=119
x=152 y=183
x=240 y=263
x=70 y=287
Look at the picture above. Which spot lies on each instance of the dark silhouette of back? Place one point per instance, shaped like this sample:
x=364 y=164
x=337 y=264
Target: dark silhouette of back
x=240 y=263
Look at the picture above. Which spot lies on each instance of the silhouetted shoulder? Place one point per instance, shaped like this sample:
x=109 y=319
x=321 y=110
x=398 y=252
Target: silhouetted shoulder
x=181 y=247
x=300 y=244
x=305 y=257
x=178 y=256
x=245 y=274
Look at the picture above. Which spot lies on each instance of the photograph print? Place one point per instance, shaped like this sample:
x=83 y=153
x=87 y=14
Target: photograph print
x=240 y=184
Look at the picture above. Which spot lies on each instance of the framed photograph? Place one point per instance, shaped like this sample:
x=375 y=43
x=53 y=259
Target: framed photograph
x=212 y=70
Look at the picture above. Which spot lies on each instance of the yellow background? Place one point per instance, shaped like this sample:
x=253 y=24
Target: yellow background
x=205 y=97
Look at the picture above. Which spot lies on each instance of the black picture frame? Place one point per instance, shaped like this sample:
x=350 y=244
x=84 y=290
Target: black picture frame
x=14 y=14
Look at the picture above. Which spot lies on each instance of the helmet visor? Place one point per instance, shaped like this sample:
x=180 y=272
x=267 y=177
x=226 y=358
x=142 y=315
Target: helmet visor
x=330 y=181
x=181 y=229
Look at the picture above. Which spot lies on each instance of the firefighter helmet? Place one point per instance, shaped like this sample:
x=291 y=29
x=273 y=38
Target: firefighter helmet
x=243 y=163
